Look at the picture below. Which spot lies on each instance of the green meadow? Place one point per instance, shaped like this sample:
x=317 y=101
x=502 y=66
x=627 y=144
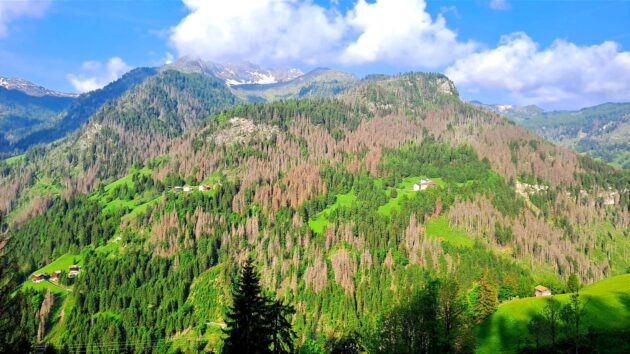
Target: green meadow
x=321 y=220
x=606 y=305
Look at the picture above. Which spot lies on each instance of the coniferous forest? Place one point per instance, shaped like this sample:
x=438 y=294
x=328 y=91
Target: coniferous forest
x=203 y=223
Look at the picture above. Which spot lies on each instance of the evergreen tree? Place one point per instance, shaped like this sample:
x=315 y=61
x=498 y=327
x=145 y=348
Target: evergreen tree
x=455 y=334
x=13 y=339
x=282 y=334
x=573 y=283
x=248 y=330
x=487 y=298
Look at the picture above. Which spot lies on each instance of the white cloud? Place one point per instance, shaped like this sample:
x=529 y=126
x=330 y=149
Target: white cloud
x=444 y=10
x=499 y=5
x=261 y=30
x=12 y=10
x=95 y=74
x=401 y=32
x=561 y=75
x=393 y=31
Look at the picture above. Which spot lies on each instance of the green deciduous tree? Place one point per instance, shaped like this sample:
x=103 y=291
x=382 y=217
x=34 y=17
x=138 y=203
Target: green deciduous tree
x=572 y=314
x=537 y=329
x=551 y=314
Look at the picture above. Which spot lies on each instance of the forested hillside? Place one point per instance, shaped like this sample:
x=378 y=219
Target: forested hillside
x=81 y=109
x=21 y=114
x=601 y=131
x=318 y=192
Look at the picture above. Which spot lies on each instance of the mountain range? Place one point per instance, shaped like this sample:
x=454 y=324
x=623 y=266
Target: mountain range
x=161 y=183
x=601 y=131
x=235 y=73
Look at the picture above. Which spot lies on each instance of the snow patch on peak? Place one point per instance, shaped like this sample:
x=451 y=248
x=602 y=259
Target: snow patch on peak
x=30 y=88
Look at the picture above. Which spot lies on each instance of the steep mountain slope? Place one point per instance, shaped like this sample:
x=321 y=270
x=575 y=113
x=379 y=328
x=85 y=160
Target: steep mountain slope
x=24 y=108
x=319 y=192
x=131 y=128
x=82 y=108
x=319 y=82
x=601 y=131
x=235 y=73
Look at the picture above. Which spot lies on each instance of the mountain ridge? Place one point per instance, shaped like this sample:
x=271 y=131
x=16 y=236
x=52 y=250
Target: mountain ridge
x=601 y=131
x=31 y=89
x=235 y=73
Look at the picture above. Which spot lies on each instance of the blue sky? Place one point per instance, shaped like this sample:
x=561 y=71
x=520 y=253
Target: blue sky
x=557 y=54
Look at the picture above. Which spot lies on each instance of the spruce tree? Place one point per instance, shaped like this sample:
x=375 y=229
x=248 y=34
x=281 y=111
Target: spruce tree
x=248 y=330
x=282 y=334
x=487 y=298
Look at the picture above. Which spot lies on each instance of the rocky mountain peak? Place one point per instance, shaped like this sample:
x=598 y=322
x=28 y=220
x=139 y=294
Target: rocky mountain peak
x=236 y=73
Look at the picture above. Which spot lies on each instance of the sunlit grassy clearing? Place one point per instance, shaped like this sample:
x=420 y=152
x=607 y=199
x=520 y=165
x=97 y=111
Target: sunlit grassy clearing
x=607 y=307
x=319 y=223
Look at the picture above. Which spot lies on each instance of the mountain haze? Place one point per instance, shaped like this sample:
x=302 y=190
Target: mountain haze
x=601 y=131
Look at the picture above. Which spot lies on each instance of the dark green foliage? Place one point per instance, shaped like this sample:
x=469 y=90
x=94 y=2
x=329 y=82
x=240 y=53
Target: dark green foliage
x=433 y=320
x=487 y=298
x=17 y=327
x=433 y=159
x=67 y=226
x=572 y=315
x=346 y=344
x=551 y=316
x=559 y=329
x=282 y=333
x=573 y=283
x=255 y=324
x=537 y=329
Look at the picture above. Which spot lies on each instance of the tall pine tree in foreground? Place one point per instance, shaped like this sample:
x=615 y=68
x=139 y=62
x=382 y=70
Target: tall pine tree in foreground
x=247 y=330
x=255 y=323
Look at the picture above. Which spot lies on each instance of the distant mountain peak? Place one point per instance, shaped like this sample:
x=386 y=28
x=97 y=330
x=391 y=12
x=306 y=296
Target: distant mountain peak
x=30 y=88
x=236 y=73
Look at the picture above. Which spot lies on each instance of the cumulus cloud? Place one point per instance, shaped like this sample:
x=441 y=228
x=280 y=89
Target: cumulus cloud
x=293 y=30
x=12 y=10
x=401 y=32
x=562 y=74
x=262 y=30
x=95 y=74
x=499 y=5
